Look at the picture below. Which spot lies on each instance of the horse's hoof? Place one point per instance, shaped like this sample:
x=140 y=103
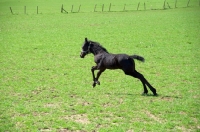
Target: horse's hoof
x=97 y=82
x=155 y=94
x=94 y=84
x=144 y=94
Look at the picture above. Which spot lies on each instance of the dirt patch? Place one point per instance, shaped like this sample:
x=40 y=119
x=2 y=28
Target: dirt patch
x=67 y=130
x=51 y=105
x=105 y=105
x=167 y=98
x=121 y=100
x=45 y=130
x=85 y=103
x=63 y=130
x=40 y=113
x=153 y=117
x=183 y=129
x=79 y=118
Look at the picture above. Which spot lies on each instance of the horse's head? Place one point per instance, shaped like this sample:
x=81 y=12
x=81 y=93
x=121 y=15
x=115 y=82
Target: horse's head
x=85 y=48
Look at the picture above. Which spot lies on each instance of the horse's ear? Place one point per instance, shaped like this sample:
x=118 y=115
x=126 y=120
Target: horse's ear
x=86 y=40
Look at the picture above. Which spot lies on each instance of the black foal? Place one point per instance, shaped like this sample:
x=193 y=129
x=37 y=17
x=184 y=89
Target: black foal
x=105 y=60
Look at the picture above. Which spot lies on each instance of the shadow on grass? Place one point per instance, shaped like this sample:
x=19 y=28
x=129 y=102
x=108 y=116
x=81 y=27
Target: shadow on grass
x=171 y=96
x=164 y=96
x=131 y=94
x=147 y=95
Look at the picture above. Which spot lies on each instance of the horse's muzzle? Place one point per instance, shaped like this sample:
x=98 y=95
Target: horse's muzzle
x=82 y=55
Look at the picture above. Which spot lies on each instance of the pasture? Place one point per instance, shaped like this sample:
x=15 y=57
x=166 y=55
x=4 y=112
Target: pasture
x=46 y=86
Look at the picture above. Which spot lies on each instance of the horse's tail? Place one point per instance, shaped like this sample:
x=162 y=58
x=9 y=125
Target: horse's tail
x=137 y=57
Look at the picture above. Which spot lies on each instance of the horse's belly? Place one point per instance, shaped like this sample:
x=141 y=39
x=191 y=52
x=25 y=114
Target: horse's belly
x=111 y=65
x=113 y=68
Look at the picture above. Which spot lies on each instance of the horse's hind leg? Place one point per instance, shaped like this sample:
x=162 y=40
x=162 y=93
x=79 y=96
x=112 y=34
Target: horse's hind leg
x=136 y=76
x=144 y=81
x=145 y=88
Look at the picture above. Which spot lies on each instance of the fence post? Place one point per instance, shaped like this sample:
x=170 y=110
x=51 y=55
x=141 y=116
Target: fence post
x=144 y=6
x=168 y=5
x=95 y=8
x=188 y=3
x=24 y=9
x=102 y=7
x=110 y=7
x=11 y=10
x=62 y=8
x=72 y=8
x=79 y=8
x=175 y=3
x=124 y=7
x=138 y=6
x=37 y=9
x=164 y=4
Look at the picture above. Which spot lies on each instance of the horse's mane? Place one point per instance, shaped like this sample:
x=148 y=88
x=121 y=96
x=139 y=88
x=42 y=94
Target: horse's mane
x=98 y=46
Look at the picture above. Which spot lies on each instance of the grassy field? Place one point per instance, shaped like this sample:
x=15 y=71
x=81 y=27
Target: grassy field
x=46 y=86
x=50 y=6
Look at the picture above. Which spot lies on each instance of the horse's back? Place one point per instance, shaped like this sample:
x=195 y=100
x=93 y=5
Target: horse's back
x=126 y=62
x=118 y=61
x=110 y=61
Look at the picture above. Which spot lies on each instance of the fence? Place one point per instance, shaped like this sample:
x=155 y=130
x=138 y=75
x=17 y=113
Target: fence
x=108 y=7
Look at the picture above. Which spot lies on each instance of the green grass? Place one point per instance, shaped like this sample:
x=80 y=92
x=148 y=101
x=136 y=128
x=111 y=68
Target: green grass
x=51 y=7
x=46 y=86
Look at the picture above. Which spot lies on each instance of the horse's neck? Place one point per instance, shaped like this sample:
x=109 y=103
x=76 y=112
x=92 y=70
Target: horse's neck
x=99 y=52
x=96 y=51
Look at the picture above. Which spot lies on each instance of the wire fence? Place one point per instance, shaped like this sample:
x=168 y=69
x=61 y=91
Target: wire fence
x=107 y=7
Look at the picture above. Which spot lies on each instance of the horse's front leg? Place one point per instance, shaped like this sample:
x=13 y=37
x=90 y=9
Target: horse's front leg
x=98 y=75
x=94 y=79
x=99 y=67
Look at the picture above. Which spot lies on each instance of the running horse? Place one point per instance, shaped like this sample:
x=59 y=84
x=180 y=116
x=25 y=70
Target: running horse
x=105 y=60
